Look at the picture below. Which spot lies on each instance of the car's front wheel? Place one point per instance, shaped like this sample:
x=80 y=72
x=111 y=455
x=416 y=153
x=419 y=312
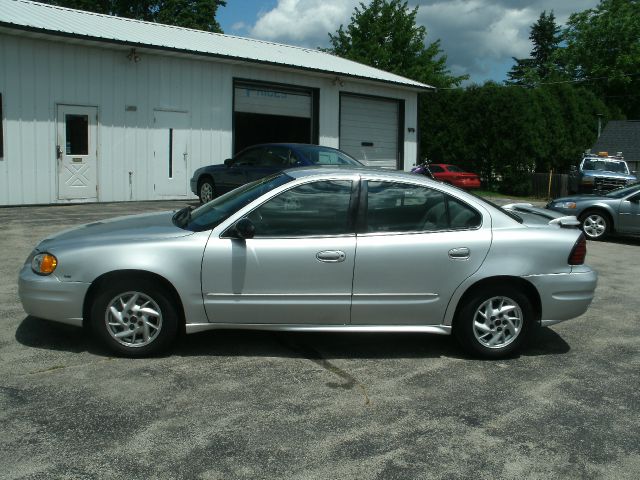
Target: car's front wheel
x=206 y=190
x=595 y=225
x=494 y=322
x=134 y=318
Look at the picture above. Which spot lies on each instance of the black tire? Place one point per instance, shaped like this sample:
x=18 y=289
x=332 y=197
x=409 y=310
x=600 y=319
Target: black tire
x=151 y=333
x=595 y=224
x=476 y=339
x=206 y=190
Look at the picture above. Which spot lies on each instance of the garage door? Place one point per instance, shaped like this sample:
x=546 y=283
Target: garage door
x=265 y=114
x=369 y=130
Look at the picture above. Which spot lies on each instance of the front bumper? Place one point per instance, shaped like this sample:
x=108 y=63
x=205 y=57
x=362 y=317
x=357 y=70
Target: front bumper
x=565 y=295
x=49 y=298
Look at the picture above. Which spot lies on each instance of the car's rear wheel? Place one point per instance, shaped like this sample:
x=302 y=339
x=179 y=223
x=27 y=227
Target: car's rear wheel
x=595 y=225
x=494 y=322
x=206 y=190
x=135 y=317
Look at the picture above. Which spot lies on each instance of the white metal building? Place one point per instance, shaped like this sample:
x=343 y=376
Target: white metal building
x=99 y=108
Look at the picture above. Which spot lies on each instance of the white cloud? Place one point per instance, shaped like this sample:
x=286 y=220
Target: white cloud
x=238 y=26
x=303 y=22
x=479 y=37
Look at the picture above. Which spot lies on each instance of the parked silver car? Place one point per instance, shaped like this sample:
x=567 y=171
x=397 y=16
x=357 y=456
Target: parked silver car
x=617 y=211
x=356 y=250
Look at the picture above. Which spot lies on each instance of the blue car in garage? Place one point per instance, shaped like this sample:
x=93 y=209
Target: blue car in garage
x=258 y=161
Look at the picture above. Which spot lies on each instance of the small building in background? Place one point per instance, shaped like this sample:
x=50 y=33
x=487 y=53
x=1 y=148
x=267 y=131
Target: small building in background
x=621 y=136
x=95 y=108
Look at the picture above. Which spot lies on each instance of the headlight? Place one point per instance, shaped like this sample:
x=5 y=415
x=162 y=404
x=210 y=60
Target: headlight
x=570 y=205
x=44 y=264
x=587 y=180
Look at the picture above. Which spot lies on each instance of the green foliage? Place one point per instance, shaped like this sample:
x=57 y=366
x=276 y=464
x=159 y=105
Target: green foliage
x=384 y=35
x=197 y=14
x=506 y=133
x=603 y=49
x=542 y=65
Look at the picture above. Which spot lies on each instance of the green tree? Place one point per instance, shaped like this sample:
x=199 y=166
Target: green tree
x=603 y=52
x=384 y=35
x=197 y=14
x=506 y=133
x=542 y=65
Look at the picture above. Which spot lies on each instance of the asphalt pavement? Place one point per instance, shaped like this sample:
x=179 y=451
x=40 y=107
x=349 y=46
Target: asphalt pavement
x=255 y=405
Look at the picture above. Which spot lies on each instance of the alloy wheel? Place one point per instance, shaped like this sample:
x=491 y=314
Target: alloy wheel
x=594 y=225
x=206 y=192
x=497 y=322
x=133 y=319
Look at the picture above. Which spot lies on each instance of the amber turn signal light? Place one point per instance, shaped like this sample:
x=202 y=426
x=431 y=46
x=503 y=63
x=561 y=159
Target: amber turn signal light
x=44 y=264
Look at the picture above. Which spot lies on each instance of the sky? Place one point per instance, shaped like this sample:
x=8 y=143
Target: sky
x=479 y=37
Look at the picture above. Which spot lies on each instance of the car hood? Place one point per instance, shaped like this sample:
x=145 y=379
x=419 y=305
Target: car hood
x=580 y=198
x=143 y=227
x=219 y=167
x=601 y=173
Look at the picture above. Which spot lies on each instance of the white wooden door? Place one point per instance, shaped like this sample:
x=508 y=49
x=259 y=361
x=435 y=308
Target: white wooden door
x=77 y=152
x=170 y=153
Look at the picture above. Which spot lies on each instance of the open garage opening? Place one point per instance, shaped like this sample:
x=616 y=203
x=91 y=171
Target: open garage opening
x=268 y=113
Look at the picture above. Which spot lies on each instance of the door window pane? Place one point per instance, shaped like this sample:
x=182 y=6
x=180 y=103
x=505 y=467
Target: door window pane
x=312 y=209
x=77 y=134
x=461 y=215
x=249 y=157
x=274 y=156
x=399 y=207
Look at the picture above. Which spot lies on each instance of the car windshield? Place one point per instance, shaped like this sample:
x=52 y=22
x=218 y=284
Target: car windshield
x=327 y=156
x=624 y=191
x=605 y=166
x=453 y=168
x=219 y=209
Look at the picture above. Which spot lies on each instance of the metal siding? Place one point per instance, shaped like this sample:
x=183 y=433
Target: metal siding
x=410 y=138
x=58 y=20
x=41 y=74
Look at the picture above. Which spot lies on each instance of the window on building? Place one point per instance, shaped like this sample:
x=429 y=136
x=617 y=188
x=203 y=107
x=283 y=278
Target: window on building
x=77 y=135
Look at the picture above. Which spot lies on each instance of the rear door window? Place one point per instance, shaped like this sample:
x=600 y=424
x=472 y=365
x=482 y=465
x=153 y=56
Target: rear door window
x=399 y=207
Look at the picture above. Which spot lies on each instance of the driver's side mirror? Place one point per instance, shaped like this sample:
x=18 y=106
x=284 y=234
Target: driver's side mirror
x=245 y=228
x=228 y=162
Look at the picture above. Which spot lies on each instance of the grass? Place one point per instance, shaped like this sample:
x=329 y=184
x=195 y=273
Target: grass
x=489 y=193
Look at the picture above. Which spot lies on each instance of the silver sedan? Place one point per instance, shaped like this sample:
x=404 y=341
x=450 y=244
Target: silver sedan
x=340 y=250
x=617 y=211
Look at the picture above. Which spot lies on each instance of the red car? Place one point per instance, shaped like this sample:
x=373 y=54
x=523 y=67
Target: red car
x=455 y=176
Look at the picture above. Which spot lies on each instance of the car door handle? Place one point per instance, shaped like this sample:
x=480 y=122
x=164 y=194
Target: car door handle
x=331 y=256
x=461 y=253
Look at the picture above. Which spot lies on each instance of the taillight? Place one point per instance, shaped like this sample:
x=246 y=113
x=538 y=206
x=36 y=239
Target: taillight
x=579 y=251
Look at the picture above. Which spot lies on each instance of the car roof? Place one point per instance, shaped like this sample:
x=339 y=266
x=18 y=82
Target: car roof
x=349 y=171
x=290 y=145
